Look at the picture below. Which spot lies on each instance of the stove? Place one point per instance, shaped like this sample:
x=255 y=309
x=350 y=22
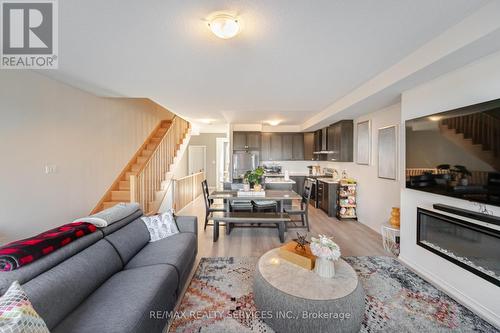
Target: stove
x=317 y=187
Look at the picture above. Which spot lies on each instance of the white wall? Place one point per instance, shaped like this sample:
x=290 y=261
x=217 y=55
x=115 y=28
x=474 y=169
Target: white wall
x=475 y=83
x=376 y=196
x=89 y=139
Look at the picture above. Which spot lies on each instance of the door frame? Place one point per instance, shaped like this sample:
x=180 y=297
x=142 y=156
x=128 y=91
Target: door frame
x=219 y=146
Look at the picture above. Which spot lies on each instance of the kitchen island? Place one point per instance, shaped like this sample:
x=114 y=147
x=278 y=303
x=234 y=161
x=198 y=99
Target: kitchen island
x=278 y=183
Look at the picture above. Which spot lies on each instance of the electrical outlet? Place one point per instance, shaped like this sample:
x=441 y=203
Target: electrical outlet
x=50 y=168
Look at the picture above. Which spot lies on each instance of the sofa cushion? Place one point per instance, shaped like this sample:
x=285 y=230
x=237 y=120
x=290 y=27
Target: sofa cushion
x=121 y=223
x=124 y=303
x=130 y=239
x=176 y=250
x=55 y=293
x=111 y=215
x=28 y=272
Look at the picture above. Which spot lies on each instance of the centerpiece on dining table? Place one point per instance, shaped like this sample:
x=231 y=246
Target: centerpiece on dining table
x=252 y=182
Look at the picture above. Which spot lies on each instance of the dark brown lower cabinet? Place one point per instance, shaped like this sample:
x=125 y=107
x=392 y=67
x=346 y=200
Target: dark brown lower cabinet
x=328 y=197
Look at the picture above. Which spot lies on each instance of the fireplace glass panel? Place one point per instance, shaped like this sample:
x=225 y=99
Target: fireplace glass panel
x=472 y=247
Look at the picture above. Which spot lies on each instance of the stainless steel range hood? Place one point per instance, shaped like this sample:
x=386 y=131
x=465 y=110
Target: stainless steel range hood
x=324 y=143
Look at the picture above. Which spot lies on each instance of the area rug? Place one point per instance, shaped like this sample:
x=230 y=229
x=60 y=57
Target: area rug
x=219 y=299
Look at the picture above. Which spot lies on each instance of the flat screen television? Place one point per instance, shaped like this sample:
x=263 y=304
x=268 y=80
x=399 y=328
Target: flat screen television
x=456 y=153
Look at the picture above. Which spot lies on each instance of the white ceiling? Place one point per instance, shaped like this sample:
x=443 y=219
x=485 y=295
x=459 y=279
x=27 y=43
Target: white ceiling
x=292 y=59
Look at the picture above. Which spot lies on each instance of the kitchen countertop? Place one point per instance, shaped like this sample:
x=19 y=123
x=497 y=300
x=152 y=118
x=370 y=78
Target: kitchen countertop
x=329 y=180
x=291 y=174
x=273 y=180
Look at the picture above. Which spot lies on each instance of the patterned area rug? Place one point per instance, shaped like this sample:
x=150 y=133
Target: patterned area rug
x=220 y=299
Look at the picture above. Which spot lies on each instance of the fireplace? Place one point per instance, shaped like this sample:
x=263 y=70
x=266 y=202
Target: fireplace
x=468 y=245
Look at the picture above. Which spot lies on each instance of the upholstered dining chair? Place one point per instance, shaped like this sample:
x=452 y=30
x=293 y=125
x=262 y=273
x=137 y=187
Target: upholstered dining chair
x=303 y=209
x=210 y=206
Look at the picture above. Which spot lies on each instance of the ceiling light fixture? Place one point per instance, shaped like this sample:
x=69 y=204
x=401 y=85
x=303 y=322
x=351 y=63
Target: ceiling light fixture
x=224 y=26
x=435 y=118
x=274 y=122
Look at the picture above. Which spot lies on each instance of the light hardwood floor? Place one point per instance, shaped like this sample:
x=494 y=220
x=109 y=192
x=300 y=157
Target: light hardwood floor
x=354 y=238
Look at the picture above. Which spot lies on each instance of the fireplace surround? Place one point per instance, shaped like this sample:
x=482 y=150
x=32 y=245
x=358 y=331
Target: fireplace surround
x=471 y=246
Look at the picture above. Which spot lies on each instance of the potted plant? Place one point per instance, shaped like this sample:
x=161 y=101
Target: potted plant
x=327 y=252
x=254 y=178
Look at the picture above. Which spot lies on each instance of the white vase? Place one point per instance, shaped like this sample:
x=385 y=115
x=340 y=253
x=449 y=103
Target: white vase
x=324 y=268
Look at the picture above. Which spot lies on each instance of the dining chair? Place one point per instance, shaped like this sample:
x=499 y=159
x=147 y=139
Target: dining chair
x=303 y=209
x=210 y=207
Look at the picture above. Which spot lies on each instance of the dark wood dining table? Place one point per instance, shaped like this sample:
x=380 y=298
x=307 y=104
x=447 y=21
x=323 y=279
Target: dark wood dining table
x=276 y=195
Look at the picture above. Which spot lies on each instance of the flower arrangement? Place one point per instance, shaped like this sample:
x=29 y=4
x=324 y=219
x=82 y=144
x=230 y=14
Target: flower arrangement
x=324 y=247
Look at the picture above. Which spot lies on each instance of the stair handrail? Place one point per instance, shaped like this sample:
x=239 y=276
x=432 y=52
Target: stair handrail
x=148 y=179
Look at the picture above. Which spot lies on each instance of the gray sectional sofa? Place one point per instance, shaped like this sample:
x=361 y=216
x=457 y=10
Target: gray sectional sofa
x=112 y=280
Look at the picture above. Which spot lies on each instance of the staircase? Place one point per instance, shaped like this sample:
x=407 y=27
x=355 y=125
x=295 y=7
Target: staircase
x=478 y=133
x=142 y=178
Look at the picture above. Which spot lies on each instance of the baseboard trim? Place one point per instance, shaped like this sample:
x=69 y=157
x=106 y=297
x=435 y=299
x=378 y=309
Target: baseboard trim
x=454 y=293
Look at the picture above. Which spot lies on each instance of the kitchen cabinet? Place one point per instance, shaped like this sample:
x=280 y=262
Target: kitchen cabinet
x=253 y=140
x=298 y=147
x=287 y=146
x=298 y=187
x=282 y=147
x=328 y=197
x=276 y=147
x=246 y=140
x=239 y=140
x=340 y=141
x=309 y=146
x=265 y=148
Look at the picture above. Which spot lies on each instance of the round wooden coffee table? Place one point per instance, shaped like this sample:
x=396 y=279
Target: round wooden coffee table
x=290 y=298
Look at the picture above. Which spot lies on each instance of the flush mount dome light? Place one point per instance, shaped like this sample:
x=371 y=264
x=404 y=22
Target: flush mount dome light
x=224 y=26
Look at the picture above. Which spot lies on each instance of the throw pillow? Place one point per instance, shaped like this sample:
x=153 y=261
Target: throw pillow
x=161 y=226
x=111 y=215
x=17 y=315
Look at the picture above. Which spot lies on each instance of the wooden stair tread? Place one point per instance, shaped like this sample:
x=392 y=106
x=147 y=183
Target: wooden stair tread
x=120 y=190
x=124 y=185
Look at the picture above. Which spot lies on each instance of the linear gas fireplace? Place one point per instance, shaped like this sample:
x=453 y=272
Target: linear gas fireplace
x=471 y=246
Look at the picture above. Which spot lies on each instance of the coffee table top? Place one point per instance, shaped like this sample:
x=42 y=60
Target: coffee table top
x=300 y=282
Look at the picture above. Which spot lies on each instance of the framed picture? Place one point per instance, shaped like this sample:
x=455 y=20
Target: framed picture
x=387 y=152
x=363 y=150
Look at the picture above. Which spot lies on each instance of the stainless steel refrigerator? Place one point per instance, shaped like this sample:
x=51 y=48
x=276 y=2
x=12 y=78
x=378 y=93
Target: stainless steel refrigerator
x=244 y=161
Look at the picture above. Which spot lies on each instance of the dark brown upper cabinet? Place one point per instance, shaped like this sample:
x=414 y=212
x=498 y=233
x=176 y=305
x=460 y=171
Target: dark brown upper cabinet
x=298 y=147
x=265 y=147
x=287 y=145
x=309 y=146
x=282 y=147
x=340 y=141
x=246 y=140
x=276 y=147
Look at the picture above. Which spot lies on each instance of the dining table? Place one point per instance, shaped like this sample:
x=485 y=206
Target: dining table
x=277 y=195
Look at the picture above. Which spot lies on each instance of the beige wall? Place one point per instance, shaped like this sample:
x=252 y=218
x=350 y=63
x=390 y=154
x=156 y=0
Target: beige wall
x=90 y=139
x=208 y=140
x=376 y=196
